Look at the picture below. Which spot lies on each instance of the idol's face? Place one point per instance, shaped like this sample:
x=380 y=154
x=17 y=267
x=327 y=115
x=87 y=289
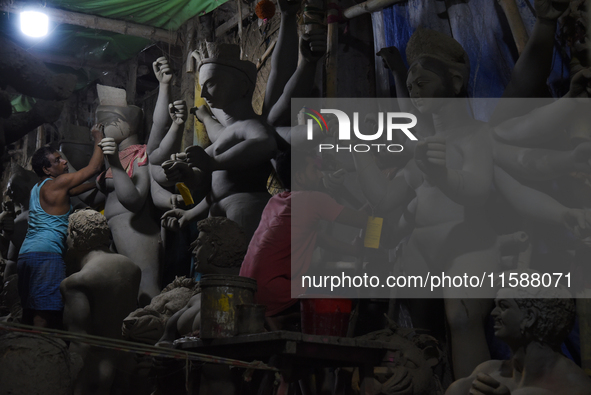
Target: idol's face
x=219 y=87
x=427 y=89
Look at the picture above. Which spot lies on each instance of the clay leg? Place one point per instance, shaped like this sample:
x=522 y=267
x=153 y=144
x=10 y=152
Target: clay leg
x=467 y=312
x=466 y=319
x=137 y=237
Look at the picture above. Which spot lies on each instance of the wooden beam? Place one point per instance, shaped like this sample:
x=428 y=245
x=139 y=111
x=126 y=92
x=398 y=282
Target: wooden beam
x=232 y=22
x=131 y=82
x=368 y=7
x=99 y=23
x=332 y=50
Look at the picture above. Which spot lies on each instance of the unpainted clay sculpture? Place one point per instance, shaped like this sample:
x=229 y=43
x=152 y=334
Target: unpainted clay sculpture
x=219 y=249
x=243 y=143
x=407 y=367
x=450 y=177
x=533 y=322
x=101 y=291
x=164 y=141
x=146 y=325
x=127 y=187
x=451 y=174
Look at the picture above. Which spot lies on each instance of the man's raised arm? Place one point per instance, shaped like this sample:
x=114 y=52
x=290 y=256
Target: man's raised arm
x=69 y=181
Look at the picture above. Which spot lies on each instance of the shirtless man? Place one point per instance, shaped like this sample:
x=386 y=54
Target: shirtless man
x=40 y=266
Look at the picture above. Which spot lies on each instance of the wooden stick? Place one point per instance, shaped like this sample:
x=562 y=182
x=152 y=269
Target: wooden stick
x=266 y=55
x=332 y=51
x=368 y=7
x=515 y=23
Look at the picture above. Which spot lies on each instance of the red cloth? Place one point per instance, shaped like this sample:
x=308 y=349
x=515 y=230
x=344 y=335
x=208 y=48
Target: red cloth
x=127 y=156
x=281 y=238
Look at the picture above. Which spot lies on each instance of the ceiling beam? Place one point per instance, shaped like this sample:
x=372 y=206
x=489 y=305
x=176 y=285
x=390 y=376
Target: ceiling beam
x=99 y=23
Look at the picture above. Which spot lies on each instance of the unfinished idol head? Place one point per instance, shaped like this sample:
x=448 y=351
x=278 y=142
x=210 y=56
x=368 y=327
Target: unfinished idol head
x=220 y=247
x=439 y=68
x=120 y=120
x=88 y=230
x=223 y=77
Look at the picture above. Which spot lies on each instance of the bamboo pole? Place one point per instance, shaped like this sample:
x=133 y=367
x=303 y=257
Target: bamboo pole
x=40 y=142
x=332 y=51
x=368 y=7
x=240 y=39
x=515 y=23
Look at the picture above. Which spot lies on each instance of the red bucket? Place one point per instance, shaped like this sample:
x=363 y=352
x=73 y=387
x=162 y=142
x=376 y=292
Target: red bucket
x=325 y=316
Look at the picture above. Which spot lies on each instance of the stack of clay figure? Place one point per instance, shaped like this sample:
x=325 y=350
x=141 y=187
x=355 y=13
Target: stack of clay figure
x=438 y=198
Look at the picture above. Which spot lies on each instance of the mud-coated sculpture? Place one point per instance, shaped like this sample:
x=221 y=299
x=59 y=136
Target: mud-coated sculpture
x=219 y=249
x=100 y=293
x=533 y=322
x=146 y=324
x=243 y=143
x=407 y=366
x=127 y=187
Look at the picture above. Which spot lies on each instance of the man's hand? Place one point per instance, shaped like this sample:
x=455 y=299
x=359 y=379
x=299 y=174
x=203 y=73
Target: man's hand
x=580 y=85
x=430 y=155
x=178 y=112
x=110 y=147
x=174 y=219
x=313 y=45
x=162 y=70
x=550 y=9
x=98 y=132
x=483 y=384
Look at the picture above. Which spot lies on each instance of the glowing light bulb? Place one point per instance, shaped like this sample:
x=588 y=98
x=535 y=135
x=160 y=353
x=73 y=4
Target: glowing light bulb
x=34 y=23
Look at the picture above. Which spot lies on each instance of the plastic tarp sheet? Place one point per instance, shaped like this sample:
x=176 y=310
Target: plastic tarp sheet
x=91 y=46
x=77 y=42
x=480 y=26
x=165 y=14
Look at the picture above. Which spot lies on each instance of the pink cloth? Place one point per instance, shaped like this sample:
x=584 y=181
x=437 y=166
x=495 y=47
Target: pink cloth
x=279 y=238
x=127 y=156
